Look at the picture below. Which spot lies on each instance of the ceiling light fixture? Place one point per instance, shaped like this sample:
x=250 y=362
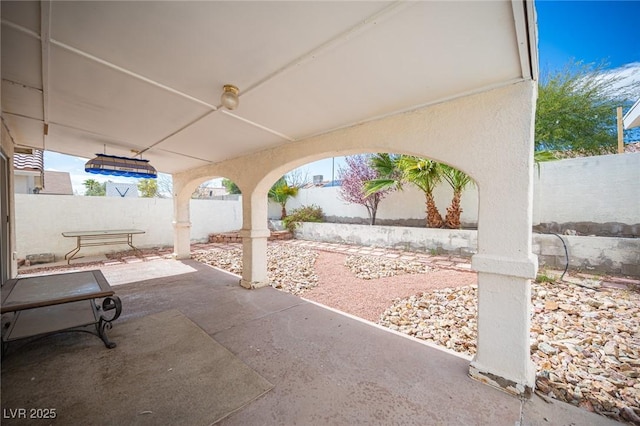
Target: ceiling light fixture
x=229 y=98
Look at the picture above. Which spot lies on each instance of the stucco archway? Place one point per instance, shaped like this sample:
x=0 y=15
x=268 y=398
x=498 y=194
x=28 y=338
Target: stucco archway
x=183 y=187
x=488 y=135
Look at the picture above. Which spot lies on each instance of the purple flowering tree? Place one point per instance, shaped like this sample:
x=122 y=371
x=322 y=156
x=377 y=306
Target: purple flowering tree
x=354 y=176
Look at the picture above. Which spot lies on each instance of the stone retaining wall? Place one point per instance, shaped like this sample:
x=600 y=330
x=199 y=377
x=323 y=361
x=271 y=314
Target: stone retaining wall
x=607 y=255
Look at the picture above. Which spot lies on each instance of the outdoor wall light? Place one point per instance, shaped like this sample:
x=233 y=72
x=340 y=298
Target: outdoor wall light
x=229 y=98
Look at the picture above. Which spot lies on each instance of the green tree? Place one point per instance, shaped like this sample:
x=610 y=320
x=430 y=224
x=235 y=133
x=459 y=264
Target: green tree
x=280 y=193
x=94 y=188
x=458 y=180
x=576 y=109
x=421 y=172
x=148 y=188
x=426 y=175
x=231 y=187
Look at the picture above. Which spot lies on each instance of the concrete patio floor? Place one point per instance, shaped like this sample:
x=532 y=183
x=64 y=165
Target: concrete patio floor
x=327 y=367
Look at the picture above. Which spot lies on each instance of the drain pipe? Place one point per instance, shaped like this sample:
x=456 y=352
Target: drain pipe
x=566 y=257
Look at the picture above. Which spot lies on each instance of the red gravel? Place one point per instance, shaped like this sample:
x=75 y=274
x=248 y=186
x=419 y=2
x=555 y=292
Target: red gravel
x=338 y=288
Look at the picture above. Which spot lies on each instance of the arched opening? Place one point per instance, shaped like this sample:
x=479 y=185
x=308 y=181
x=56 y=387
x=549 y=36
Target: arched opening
x=411 y=271
x=203 y=207
x=343 y=200
x=497 y=154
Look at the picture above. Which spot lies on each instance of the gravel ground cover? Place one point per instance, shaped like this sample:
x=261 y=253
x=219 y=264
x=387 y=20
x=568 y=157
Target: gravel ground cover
x=585 y=338
x=585 y=342
x=373 y=267
x=288 y=268
x=340 y=288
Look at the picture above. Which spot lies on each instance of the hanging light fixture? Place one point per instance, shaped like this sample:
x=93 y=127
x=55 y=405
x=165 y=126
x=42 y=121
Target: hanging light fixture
x=120 y=166
x=229 y=98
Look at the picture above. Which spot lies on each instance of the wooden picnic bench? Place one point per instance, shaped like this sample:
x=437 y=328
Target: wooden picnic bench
x=48 y=304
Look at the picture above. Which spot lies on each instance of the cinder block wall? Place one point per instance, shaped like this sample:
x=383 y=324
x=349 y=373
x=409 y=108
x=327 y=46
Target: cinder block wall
x=592 y=195
x=41 y=219
x=589 y=254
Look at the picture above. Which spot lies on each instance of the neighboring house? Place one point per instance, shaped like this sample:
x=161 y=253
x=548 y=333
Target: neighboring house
x=128 y=190
x=632 y=117
x=57 y=183
x=631 y=122
x=29 y=172
x=319 y=182
x=632 y=147
x=210 y=192
x=31 y=178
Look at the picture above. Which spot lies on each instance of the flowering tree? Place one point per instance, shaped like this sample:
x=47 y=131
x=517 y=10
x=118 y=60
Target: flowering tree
x=357 y=172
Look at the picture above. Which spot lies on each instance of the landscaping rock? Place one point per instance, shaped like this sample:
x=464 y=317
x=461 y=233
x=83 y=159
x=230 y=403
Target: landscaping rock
x=288 y=268
x=584 y=342
x=373 y=267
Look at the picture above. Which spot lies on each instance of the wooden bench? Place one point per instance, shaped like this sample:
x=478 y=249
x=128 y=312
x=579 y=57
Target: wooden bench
x=48 y=304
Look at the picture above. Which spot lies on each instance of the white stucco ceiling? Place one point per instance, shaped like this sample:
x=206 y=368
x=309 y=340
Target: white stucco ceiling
x=147 y=76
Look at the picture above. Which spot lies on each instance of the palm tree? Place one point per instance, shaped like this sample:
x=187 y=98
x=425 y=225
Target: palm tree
x=458 y=181
x=425 y=174
x=94 y=188
x=421 y=172
x=280 y=193
x=387 y=167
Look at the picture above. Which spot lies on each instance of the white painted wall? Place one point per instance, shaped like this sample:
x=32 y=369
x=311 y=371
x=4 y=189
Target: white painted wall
x=209 y=216
x=596 y=189
x=406 y=204
x=462 y=242
x=41 y=219
x=24 y=182
x=604 y=188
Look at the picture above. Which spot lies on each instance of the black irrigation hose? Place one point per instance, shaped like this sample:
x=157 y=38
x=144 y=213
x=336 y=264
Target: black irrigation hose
x=566 y=256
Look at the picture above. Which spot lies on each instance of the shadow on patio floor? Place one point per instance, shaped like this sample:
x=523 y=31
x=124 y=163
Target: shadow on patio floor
x=326 y=367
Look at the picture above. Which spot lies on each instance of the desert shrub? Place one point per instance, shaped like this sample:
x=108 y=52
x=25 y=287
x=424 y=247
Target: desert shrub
x=312 y=213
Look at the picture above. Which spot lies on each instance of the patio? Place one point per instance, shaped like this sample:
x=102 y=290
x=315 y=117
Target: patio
x=454 y=82
x=326 y=367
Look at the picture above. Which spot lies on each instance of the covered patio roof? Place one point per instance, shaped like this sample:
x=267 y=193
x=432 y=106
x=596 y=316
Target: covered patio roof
x=454 y=81
x=81 y=78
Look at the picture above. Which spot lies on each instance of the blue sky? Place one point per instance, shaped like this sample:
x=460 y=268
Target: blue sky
x=590 y=31
x=587 y=31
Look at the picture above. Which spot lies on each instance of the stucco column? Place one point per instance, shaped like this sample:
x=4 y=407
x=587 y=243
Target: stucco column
x=181 y=222
x=254 y=235
x=504 y=262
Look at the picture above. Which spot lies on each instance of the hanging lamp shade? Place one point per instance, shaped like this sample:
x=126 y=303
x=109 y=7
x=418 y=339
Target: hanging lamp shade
x=120 y=166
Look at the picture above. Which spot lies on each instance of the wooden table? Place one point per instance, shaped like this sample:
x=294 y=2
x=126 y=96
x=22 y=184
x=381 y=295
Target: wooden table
x=100 y=238
x=47 y=304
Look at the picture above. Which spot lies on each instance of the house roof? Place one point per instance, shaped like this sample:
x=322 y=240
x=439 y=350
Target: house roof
x=632 y=118
x=58 y=183
x=146 y=77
